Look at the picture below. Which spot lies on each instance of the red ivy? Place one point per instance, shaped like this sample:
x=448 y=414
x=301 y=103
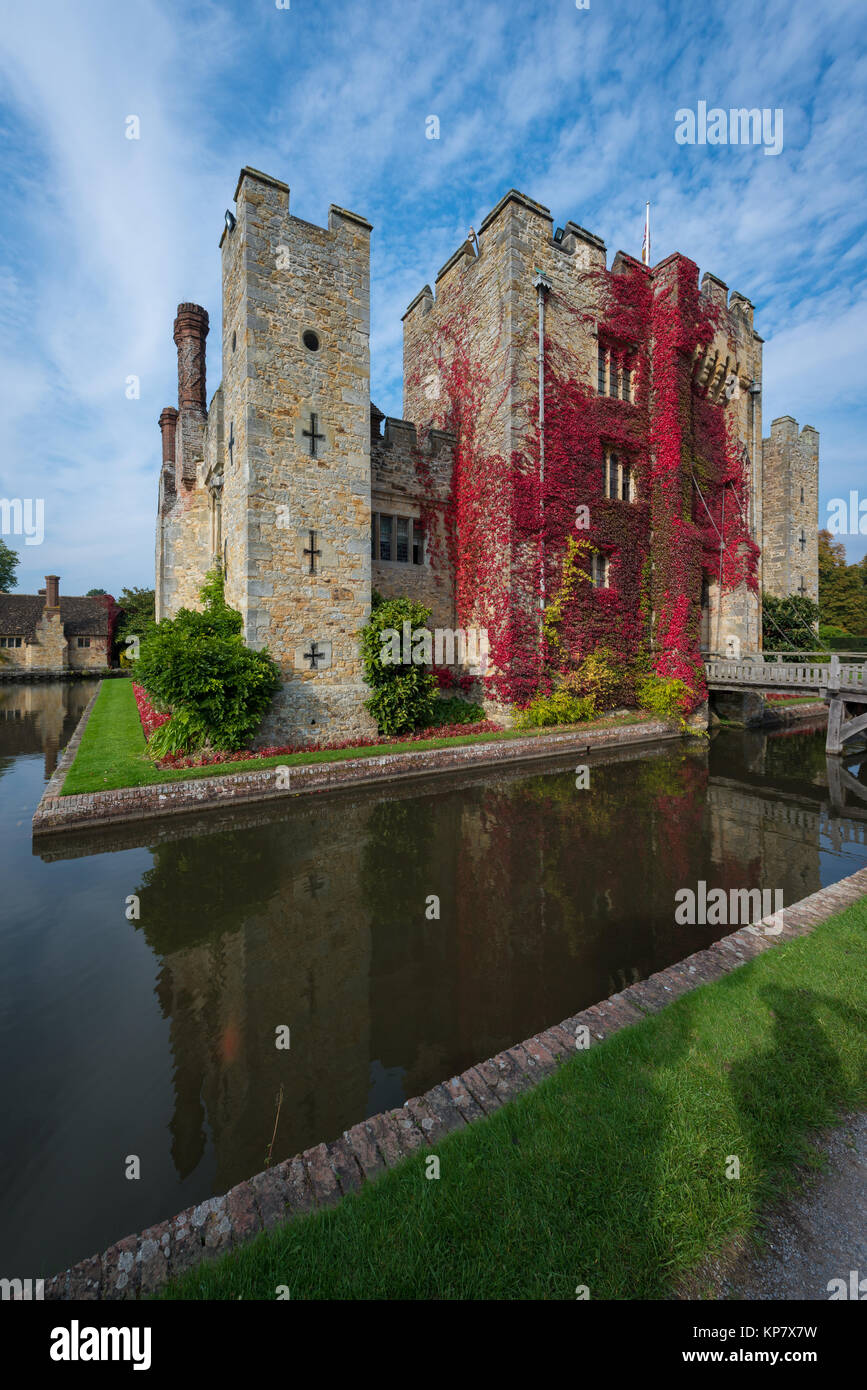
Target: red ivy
x=502 y=527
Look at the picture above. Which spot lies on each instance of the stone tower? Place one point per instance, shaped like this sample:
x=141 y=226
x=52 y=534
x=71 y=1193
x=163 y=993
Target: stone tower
x=273 y=481
x=790 y=527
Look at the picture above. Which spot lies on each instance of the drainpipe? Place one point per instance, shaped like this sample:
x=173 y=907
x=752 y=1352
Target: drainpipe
x=721 y=552
x=755 y=391
x=543 y=286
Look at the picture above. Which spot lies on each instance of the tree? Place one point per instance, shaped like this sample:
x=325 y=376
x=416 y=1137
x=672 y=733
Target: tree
x=95 y=593
x=842 y=591
x=789 y=624
x=137 y=616
x=9 y=563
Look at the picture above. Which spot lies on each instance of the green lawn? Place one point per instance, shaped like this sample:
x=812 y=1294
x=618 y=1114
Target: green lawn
x=794 y=700
x=111 y=753
x=612 y=1173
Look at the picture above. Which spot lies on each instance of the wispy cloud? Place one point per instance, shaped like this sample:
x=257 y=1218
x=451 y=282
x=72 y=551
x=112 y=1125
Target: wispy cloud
x=103 y=236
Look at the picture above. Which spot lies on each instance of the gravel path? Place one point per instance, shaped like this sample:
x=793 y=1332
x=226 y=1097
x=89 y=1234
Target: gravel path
x=818 y=1236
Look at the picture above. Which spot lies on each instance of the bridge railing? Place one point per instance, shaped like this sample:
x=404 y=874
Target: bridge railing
x=832 y=675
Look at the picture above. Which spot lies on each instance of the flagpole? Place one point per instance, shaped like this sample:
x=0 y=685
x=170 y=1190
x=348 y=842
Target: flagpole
x=645 y=249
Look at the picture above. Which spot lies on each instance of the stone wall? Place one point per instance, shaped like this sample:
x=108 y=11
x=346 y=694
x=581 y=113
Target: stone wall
x=49 y=651
x=16 y=656
x=92 y=658
x=486 y=308
x=790 y=535
x=413 y=479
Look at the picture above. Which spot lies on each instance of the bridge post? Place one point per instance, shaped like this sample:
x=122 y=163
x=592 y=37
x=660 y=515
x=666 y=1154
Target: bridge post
x=833 y=769
x=834 y=741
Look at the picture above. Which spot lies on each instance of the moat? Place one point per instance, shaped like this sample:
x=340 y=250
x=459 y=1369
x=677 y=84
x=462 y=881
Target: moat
x=155 y=1035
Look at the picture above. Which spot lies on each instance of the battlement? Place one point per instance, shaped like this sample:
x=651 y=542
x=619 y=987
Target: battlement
x=572 y=240
x=785 y=430
x=624 y=264
x=401 y=436
x=568 y=238
x=254 y=187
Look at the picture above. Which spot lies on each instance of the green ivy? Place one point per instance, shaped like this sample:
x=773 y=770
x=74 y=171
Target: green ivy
x=573 y=574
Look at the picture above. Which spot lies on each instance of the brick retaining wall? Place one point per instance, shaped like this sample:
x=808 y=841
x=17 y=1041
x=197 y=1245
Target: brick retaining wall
x=321 y=1176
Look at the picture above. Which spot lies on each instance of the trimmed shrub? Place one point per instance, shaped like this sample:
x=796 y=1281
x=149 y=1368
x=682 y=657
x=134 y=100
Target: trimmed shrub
x=404 y=695
x=457 y=711
x=665 y=696
x=559 y=708
x=197 y=666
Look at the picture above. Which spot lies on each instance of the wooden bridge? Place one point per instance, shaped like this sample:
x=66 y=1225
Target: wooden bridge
x=843 y=684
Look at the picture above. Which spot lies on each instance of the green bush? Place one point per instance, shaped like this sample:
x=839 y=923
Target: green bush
x=197 y=666
x=404 y=695
x=665 y=696
x=599 y=675
x=454 y=710
x=561 y=707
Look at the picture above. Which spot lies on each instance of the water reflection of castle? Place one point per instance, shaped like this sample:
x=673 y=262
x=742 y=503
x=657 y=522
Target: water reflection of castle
x=549 y=900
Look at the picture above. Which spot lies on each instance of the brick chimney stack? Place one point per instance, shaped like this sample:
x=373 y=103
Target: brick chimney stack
x=168 y=425
x=191 y=330
x=52 y=591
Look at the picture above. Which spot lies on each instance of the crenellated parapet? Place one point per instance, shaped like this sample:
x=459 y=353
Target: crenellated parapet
x=411 y=465
x=731 y=362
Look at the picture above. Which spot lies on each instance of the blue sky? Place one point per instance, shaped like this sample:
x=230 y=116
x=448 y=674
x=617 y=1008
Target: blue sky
x=101 y=236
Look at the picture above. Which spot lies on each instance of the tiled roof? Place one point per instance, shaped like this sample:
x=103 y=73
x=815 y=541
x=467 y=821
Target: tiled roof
x=81 y=617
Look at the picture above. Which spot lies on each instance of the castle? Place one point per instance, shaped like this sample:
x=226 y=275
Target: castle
x=557 y=412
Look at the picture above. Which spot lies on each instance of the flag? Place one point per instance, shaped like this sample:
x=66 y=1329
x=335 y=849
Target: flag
x=645 y=245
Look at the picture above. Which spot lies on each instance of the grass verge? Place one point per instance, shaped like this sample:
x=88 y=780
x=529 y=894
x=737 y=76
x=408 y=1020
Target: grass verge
x=611 y=1173
x=111 y=754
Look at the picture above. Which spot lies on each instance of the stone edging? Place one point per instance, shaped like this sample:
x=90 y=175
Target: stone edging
x=794 y=714
x=321 y=1176
x=83 y=810
x=58 y=777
